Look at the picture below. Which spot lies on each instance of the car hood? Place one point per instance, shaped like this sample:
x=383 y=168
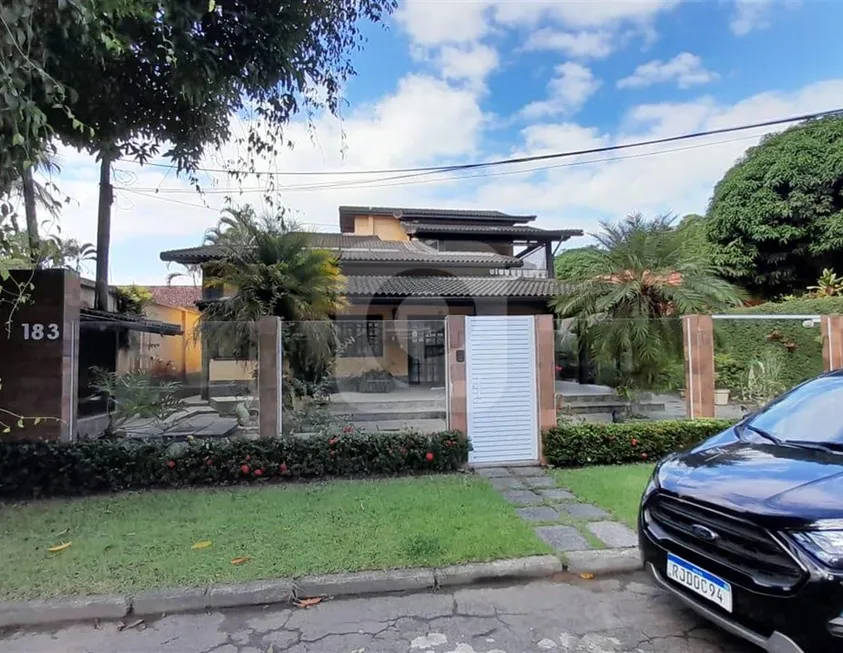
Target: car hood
x=787 y=484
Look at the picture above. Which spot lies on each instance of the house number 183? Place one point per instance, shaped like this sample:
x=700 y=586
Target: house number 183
x=38 y=331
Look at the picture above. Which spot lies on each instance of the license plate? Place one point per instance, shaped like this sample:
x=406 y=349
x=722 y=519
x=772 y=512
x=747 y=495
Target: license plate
x=700 y=581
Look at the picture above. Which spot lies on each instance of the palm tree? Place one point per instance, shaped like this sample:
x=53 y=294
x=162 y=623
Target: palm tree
x=73 y=254
x=642 y=274
x=275 y=271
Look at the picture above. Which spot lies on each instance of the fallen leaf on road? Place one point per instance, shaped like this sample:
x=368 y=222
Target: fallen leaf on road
x=586 y=575
x=240 y=560
x=60 y=547
x=204 y=544
x=306 y=603
x=134 y=624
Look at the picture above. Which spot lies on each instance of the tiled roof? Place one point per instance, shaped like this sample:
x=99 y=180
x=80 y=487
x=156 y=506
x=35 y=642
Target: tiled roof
x=362 y=249
x=377 y=286
x=178 y=296
x=407 y=213
x=106 y=319
x=205 y=253
x=491 y=229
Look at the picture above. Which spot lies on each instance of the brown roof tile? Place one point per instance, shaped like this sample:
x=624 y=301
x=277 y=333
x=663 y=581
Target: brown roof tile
x=378 y=286
x=178 y=296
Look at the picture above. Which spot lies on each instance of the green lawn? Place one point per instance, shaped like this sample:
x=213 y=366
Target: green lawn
x=616 y=488
x=142 y=540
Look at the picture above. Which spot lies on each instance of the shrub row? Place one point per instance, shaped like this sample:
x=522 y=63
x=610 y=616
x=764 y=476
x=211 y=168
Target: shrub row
x=42 y=469
x=573 y=445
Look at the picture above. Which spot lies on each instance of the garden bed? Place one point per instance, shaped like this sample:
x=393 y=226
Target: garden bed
x=134 y=541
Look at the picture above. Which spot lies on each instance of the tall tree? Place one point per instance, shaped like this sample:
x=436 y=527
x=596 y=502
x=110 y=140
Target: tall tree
x=776 y=217
x=171 y=75
x=641 y=273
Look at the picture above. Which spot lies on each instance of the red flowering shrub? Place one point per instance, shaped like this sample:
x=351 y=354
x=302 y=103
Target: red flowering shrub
x=38 y=469
x=575 y=445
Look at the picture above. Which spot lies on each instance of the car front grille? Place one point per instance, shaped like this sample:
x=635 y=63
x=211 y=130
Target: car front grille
x=747 y=550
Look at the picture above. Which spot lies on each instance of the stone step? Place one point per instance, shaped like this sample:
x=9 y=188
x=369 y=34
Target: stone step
x=607 y=407
x=391 y=416
x=402 y=406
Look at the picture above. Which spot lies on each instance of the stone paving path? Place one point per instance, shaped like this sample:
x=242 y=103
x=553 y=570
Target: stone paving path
x=583 y=534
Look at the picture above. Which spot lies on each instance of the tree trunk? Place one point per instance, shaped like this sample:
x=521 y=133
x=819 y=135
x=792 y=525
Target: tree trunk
x=103 y=231
x=31 y=214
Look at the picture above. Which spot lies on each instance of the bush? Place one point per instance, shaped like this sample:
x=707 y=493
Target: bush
x=41 y=469
x=798 y=348
x=576 y=445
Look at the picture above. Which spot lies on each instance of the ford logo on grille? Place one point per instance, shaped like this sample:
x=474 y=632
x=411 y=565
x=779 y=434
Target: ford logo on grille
x=704 y=533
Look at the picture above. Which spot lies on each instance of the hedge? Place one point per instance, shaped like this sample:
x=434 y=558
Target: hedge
x=42 y=469
x=800 y=348
x=576 y=445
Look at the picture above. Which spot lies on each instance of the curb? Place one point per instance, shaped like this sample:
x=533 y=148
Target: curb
x=603 y=561
x=175 y=600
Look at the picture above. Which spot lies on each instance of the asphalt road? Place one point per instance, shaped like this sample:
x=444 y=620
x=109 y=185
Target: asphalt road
x=622 y=615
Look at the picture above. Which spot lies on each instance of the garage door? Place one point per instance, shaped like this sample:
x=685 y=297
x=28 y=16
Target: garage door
x=502 y=404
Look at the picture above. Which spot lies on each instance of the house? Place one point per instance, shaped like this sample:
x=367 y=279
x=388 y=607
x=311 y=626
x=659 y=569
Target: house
x=406 y=269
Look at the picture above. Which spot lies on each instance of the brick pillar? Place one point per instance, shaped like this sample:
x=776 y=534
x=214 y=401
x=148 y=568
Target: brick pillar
x=545 y=377
x=270 y=375
x=698 y=338
x=455 y=360
x=39 y=355
x=832 y=334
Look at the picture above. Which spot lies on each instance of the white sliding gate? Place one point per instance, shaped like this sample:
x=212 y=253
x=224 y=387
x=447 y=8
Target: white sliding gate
x=502 y=401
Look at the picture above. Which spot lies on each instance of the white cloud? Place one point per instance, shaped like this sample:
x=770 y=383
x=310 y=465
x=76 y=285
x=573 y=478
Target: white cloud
x=750 y=15
x=679 y=181
x=685 y=69
x=595 y=44
x=567 y=92
x=425 y=120
x=434 y=22
x=473 y=63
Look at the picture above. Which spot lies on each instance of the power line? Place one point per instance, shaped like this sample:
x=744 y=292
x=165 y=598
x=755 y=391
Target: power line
x=527 y=159
x=377 y=183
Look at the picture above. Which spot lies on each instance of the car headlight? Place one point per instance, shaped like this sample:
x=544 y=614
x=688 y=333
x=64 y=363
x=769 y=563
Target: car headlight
x=652 y=486
x=827 y=546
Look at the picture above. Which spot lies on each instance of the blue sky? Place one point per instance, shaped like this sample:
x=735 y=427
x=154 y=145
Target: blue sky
x=467 y=80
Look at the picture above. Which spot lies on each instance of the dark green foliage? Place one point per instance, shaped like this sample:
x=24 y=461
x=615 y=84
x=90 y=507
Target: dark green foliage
x=627 y=293
x=799 y=348
x=570 y=262
x=776 y=217
x=44 y=469
x=574 y=445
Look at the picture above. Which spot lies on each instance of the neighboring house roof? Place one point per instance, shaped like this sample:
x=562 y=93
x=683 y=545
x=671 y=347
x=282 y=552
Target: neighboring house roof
x=108 y=319
x=491 y=230
x=347 y=214
x=468 y=287
x=368 y=249
x=177 y=296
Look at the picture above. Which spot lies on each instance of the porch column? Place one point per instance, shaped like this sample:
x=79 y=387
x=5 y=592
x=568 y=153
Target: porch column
x=545 y=377
x=698 y=339
x=270 y=376
x=832 y=334
x=455 y=374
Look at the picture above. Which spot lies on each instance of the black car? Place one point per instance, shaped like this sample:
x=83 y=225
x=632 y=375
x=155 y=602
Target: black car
x=747 y=527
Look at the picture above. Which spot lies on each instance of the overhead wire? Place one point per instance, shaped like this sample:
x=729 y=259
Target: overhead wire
x=530 y=158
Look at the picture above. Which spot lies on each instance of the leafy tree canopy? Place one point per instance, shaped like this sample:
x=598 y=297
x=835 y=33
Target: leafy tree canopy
x=776 y=218
x=138 y=75
x=641 y=273
x=569 y=262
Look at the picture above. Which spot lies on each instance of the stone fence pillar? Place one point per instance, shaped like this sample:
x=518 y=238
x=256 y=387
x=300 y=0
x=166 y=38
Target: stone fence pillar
x=698 y=342
x=270 y=376
x=832 y=335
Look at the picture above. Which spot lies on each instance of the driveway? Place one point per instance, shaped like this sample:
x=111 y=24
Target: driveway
x=624 y=615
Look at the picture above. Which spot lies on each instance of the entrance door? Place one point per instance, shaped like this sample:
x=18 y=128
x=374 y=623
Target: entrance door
x=502 y=401
x=426 y=352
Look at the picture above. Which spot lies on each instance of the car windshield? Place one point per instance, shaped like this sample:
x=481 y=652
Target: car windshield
x=812 y=412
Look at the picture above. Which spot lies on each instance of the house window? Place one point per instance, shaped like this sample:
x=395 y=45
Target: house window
x=361 y=338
